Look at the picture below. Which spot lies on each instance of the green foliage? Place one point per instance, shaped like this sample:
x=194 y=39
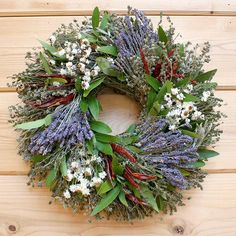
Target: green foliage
x=93 y=106
x=100 y=127
x=162 y=35
x=51 y=177
x=110 y=50
x=202 y=77
x=92 y=86
x=95 y=18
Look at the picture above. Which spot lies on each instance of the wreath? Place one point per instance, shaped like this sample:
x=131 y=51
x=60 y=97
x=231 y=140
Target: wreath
x=142 y=170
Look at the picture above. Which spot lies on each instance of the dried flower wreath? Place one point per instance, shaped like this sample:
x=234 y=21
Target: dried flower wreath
x=140 y=171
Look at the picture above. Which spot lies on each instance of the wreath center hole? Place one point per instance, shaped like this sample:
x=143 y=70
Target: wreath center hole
x=118 y=111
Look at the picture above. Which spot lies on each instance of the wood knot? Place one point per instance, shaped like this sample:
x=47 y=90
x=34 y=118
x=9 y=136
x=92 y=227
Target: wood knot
x=12 y=228
x=178 y=229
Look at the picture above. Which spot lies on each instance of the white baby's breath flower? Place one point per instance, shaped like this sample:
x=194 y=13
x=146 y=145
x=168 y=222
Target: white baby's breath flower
x=102 y=175
x=74 y=188
x=172 y=127
x=74 y=51
x=84 y=85
x=52 y=39
x=86 y=79
x=97 y=68
x=180 y=96
x=61 y=52
x=74 y=45
x=81 y=67
x=174 y=91
x=87 y=171
x=96 y=181
x=69 y=64
x=82 y=59
x=94 y=73
x=63 y=72
x=52 y=62
x=74 y=165
x=56 y=84
x=205 y=96
x=66 y=194
x=85 y=41
x=196 y=115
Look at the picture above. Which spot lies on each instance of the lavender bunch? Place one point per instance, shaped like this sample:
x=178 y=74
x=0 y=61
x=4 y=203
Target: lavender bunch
x=167 y=151
x=69 y=127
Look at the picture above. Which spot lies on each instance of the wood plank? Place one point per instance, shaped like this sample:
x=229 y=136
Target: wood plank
x=18 y=35
x=25 y=211
x=119 y=116
x=84 y=7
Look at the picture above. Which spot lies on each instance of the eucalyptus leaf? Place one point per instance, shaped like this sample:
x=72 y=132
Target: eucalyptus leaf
x=83 y=105
x=100 y=127
x=104 y=21
x=151 y=99
x=35 y=124
x=183 y=82
x=156 y=108
x=116 y=166
x=110 y=50
x=106 y=200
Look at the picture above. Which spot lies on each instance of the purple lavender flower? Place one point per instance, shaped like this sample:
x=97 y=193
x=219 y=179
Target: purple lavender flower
x=69 y=127
x=167 y=151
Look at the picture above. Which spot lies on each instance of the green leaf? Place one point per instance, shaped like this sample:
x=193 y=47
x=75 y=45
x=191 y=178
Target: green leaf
x=51 y=177
x=89 y=37
x=154 y=83
x=100 y=127
x=78 y=85
x=151 y=99
x=104 y=148
x=106 y=200
x=131 y=128
x=205 y=76
x=205 y=153
x=104 y=21
x=92 y=86
x=198 y=164
x=59 y=80
x=48 y=47
x=156 y=108
x=106 y=67
x=95 y=17
x=164 y=89
x=129 y=139
x=116 y=166
x=190 y=98
x=93 y=106
x=37 y=158
x=83 y=105
x=106 y=138
x=35 y=124
x=183 y=82
x=148 y=196
x=134 y=149
x=181 y=50
x=190 y=133
x=184 y=172
x=63 y=167
x=45 y=63
x=110 y=50
x=160 y=203
x=123 y=199
x=105 y=187
x=162 y=35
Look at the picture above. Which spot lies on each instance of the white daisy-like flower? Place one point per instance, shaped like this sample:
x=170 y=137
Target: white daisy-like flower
x=167 y=97
x=66 y=194
x=94 y=73
x=184 y=114
x=174 y=91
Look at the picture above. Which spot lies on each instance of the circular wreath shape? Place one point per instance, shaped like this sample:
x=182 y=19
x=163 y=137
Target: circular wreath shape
x=72 y=152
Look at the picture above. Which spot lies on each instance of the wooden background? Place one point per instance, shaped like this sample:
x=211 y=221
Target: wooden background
x=25 y=211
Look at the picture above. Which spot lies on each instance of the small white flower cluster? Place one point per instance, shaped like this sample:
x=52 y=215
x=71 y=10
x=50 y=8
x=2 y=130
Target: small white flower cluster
x=180 y=113
x=205 y=96
x=82 y=177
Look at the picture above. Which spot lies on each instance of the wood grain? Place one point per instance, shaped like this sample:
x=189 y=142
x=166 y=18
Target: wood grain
x=25 y=211
x=84 y=7
x=119 y=111
x=18 y=35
